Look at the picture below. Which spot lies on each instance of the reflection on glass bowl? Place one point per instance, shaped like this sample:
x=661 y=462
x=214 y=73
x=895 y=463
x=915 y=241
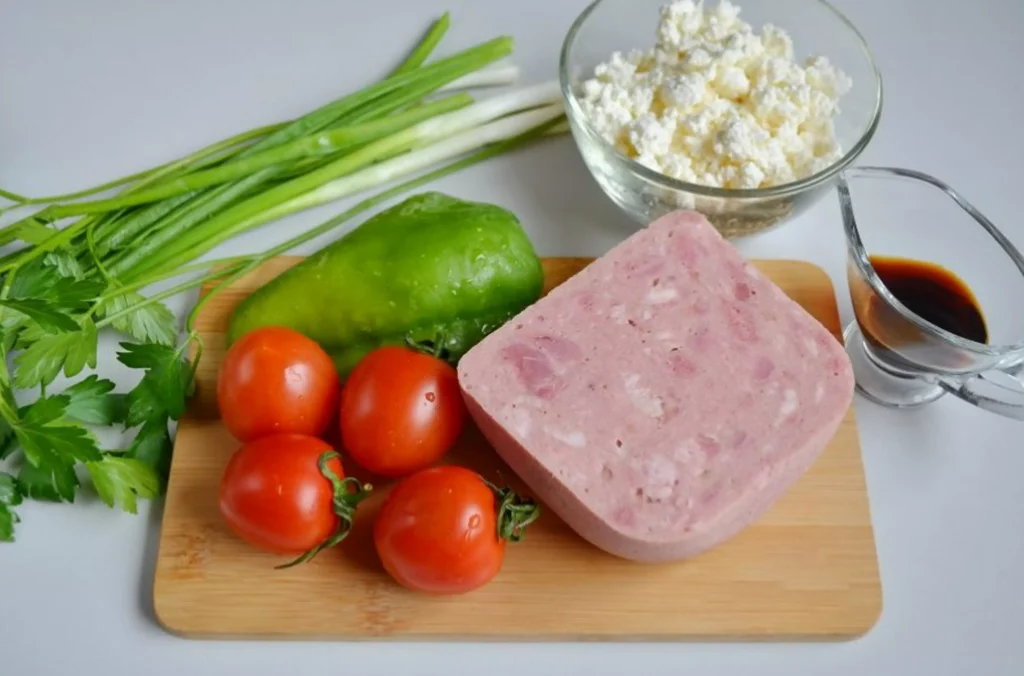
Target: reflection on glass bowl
x=816 y=28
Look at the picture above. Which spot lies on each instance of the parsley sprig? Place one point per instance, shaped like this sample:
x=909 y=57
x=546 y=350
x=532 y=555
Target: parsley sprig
x=49 y=445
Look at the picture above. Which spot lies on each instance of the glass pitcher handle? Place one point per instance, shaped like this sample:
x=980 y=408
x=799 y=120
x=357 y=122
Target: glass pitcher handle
x=1000 y=392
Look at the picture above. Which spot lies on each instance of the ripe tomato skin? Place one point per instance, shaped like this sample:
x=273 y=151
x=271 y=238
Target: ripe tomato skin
x=436 y=532
x=275 y=380
x=273 y=495
x=401 y=410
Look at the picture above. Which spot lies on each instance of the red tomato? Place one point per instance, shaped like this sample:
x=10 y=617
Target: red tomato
x=401 y=410
x=275 y=380
x=438 y=530
x=274 y=495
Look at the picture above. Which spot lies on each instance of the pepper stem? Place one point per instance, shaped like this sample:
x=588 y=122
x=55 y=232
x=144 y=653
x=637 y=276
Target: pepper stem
x=348 y=493
x=435 y=348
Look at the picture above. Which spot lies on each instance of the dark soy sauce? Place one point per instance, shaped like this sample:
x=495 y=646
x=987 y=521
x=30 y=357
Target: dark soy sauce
x=934 y=294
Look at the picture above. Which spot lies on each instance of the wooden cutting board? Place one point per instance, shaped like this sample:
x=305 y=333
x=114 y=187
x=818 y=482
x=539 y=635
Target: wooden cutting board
x=807 y=570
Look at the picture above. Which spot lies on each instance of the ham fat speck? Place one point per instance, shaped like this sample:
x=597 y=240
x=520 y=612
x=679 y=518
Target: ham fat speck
x=664 y=397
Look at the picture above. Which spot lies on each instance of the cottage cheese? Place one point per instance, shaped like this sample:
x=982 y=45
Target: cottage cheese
x=717 y=104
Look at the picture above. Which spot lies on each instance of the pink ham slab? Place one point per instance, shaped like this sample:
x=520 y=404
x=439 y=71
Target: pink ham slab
x=664 y=397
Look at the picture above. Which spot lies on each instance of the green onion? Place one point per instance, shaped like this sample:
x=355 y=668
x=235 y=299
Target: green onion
x=322 y=143
x=13 y=197
x=432 y=76
x=426 y=46
x=495 y=76
x=409 y=163
x=441 y=72
x=200 y=158
x=227 y=224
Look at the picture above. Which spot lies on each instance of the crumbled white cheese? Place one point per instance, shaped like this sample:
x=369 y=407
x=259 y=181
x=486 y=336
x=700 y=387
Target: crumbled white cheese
x=716 y=103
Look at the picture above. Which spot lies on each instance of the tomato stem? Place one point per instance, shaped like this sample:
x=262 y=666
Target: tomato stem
x=348 y=493
x=515 y=513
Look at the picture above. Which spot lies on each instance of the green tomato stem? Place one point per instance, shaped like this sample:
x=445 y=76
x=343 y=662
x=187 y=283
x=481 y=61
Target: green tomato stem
x=514 y=514
x=348 y=493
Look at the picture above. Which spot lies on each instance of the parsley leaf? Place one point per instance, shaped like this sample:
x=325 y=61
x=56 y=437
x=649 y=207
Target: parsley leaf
x=153 y=323
x=10 y=495
x=10 y=329
x=42 y=313
x=165 y=386
x=42 y=360
x=52 y=446
x=7 y=445
x=144 y=405
x=153 y=446
x=77 y=295
x=55 y=482
x=121 y=480
x=65 y=263
x=36 y=281
x=44 y=410
x=92 y=401
x=30 y=281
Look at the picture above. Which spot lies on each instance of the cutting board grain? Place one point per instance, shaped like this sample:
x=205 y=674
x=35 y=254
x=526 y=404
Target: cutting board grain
x=807 y=570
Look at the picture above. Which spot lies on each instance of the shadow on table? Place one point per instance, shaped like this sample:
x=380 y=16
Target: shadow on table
x=147 y=571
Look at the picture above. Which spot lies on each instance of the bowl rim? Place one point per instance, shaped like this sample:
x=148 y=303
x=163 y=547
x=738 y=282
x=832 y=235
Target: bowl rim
x=576 y=115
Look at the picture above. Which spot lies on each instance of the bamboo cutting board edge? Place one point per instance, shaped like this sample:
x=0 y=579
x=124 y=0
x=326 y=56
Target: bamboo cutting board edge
x=186 y=605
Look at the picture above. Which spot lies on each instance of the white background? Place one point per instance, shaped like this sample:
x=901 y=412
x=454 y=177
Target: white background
x=93 y=90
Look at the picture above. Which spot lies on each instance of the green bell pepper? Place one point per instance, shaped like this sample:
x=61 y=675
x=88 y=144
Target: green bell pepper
x=433 y=270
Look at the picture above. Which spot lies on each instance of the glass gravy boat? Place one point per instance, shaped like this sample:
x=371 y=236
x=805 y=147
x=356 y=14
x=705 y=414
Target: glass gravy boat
x=937 y=293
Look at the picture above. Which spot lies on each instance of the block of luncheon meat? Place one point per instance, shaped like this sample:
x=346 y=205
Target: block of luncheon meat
x=664 y=397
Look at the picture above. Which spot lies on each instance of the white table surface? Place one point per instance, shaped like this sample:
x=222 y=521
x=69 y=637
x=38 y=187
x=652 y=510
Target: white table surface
x=91 y=90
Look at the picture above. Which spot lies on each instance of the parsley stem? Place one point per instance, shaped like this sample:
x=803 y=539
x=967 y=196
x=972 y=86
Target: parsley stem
x=153 y=279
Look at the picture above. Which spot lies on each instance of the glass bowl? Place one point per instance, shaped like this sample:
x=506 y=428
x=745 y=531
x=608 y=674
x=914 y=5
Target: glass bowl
x=816 y=29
